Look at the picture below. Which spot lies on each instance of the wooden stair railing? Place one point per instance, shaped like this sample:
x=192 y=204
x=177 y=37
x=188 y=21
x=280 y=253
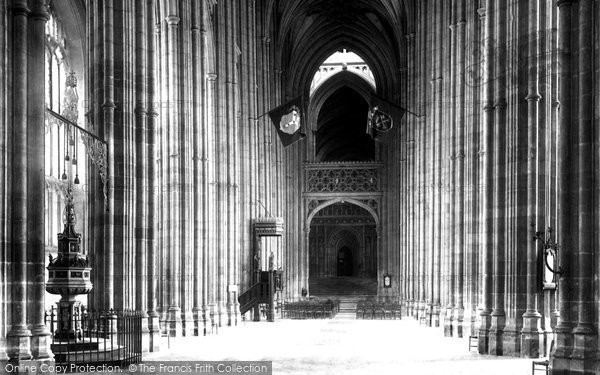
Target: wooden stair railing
x=257 y=294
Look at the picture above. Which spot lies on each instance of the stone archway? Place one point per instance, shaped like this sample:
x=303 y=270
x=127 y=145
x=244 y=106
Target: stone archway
x=342 y=243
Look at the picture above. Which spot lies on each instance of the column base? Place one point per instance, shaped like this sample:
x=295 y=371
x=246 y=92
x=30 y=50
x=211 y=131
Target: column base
x=173 y=322
x=458 y=315
x=145 y=333
x=496 y=336
x=197 y=312
x=435 y=316
x=448 y=322
x=532 y=336
x=3 y=355
x=512 y=341
x=483 y=342
x=220 y=314
x=205 y=319
x=474 y=326
x=153 y=332
x=40 y=343
x=19 y=344
x=560 y=359
x=229 y=314
x=584 y=358
x=236 y=312
x=187 y=323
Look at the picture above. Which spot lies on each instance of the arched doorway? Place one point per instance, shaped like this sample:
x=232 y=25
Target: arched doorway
x=345 y=266
x=342 y=251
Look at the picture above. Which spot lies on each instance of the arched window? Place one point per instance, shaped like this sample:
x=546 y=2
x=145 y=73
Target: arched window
x=64 y=150
x=342 y=61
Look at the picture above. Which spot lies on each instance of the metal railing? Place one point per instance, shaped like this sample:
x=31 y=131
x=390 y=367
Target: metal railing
x=98 y=337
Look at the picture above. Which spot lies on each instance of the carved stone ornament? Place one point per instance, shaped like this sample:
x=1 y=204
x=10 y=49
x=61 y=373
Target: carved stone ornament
x=347 y=180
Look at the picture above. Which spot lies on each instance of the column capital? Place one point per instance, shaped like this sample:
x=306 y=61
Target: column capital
x=482 y=12
x=20 y=8
x=501 y=103
x=172 y=20
x=560 y=3
x=40 y=11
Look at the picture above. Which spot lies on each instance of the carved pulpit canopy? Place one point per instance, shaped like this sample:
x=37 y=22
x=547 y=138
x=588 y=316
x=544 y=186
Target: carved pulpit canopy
x=268 y=227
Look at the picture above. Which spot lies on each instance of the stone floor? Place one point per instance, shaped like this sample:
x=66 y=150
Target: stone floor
x=342 y=346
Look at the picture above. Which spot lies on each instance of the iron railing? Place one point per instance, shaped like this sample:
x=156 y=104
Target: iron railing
x=99 y=338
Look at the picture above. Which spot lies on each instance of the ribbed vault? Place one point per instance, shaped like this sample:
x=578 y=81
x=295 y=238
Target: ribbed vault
x=311 y=30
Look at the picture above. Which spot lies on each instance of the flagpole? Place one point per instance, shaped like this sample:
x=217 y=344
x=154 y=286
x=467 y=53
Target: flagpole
x=396 y=105
x=259 y=117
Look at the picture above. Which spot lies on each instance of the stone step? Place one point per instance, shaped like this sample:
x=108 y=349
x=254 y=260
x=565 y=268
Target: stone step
x=342 y=286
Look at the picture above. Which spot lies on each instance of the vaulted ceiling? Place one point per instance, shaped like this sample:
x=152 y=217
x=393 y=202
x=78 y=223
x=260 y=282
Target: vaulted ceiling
x=310 y=30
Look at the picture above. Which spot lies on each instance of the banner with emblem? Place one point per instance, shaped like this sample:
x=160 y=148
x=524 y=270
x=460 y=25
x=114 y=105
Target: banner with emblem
x=288 y=120
x=382 y=117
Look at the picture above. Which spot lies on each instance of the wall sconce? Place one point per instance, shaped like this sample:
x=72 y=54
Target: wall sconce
x=387 y=280
x=549 y=258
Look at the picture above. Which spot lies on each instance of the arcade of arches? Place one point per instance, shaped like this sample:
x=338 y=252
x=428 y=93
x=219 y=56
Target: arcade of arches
x=175 y=161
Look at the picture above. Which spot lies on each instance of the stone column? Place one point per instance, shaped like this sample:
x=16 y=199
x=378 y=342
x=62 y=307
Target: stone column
x=304 y=263
x=584 y=358
x=18 y=336
x=531 y=334
x=500 y=191
x=487 y=180
x=424 y=242
x=459 y=173
x=108 y=113
x=232 y=156
x=141 y=169
x=198 y=160
x=185 y=152
x=451 y=186
x=410 y=185
x=561 y=358
x=212 y=198
x=438 y=109
x=40 y=344
x=5 y=170
x=211 y=202
x=173 y=140
x=152 y=185
x=434 y=227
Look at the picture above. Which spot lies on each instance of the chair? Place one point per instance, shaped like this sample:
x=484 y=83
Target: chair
x=368 y=314
x=387 y=310
x=542 y=363
x=328 y=309
x=378 y=311
x=360 y=310
x=473 y=342
x=319 y=310
x=397 y=310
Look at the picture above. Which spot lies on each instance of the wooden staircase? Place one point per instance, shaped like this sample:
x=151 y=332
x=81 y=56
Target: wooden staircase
x=257 y=294
x=262 y=292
